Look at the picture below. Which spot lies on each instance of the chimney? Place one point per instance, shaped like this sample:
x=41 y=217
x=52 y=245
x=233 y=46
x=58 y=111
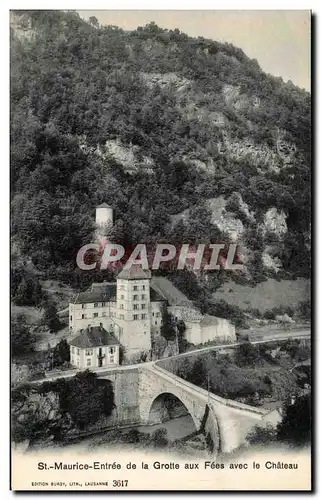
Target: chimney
x=101 y=327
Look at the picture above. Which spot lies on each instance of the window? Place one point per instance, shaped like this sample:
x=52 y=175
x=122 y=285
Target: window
x=111 y=350
x=143 y=316
x=155 y=322
x=135 y=297
x=83 y=306
x=121 y=316
x=135 y=316
x=112 y=359
x=103 y=304
x=103 y=314
x=84 y=316
x=143 y=306
x=95 y=315
x=157 y=315
x=70 y=318
x=143 y=287
x=135 y=306
x=143 y=296
x=122 y=297
x=77 y=352
x=95 y=304
x=89 y=352
x=135 y=288
x=88 y=362
x=121 y=306
x=153 y=314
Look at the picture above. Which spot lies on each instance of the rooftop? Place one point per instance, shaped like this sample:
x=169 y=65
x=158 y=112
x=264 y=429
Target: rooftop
x=169 y=291
x=135 y=272
x=98 y=292
x=94 y=336
x=104 y=205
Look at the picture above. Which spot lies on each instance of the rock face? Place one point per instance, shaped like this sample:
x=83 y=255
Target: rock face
x=34 y=413
x=275 y=222
x=224 y=220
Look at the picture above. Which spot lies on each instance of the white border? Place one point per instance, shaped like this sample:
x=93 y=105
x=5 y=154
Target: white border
x=4 y=198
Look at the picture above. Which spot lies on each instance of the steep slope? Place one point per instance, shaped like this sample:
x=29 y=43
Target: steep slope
x=157 y=124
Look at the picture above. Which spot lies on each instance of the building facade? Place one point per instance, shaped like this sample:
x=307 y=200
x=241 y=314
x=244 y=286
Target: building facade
x=130 y=308
x=94 y=347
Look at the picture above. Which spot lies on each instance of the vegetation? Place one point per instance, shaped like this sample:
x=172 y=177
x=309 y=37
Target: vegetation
x=61 y=353
x=294 y=428
x=250 y=373
x=22 y=341
x=77 y=86
x=50 y=317
x=56 y=408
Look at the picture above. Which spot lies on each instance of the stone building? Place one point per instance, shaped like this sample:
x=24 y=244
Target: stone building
x=132 y=308
x=94 y=347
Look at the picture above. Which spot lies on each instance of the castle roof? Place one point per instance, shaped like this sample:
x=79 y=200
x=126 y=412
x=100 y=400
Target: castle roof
x=98 y=292
x=104 y=205
x=135 y=272
x=169 y=291
x=94 y=336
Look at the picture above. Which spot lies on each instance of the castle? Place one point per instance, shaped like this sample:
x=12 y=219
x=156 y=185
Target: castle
x=132 y=311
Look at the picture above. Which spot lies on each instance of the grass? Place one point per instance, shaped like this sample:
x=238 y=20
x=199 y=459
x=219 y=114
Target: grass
x=266 y=295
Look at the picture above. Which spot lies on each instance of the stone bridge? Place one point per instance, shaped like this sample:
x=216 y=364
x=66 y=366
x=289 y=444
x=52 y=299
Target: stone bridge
x=140 y=398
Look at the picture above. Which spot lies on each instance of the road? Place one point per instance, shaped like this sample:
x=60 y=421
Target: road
x=295 y=334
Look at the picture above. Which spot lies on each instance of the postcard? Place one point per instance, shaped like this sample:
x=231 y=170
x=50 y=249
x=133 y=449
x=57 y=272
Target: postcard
x=160 y=250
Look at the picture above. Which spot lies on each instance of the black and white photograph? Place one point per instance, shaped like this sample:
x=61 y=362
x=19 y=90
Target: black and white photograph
x=160 y=253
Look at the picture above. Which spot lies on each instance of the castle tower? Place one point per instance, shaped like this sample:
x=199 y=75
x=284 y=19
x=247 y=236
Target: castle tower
x=104 y=221
x=133 y=310
x=104 y=215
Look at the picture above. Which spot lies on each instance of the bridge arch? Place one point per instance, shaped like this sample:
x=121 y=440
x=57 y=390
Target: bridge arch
x=159 y=399
x=167 y=406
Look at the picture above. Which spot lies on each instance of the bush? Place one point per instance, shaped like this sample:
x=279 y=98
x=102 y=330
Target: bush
x=61 y=353
x=22 y=341
x=51 y=318
x=304 y=309
x=233 y=313
x=262 y=435
x=159 y=438
x=295 y=427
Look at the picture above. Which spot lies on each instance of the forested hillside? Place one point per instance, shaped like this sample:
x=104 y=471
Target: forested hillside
x=161 y=126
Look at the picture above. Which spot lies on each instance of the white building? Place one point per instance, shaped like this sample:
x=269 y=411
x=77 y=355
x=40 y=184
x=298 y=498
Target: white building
x=132 y=309
x=94 y=347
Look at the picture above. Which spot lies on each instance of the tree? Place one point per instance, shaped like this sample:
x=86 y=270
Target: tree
x=198 y=374
x=295 y=427
x=86 y=398
x=61 y=353
x=94 y=21
x=246 y=354
x=22 y=341
x=50 y=317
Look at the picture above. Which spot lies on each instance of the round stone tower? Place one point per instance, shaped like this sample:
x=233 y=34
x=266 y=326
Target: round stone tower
x=104 y=215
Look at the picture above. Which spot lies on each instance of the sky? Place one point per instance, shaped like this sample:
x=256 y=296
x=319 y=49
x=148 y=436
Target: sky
x=278 y=39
